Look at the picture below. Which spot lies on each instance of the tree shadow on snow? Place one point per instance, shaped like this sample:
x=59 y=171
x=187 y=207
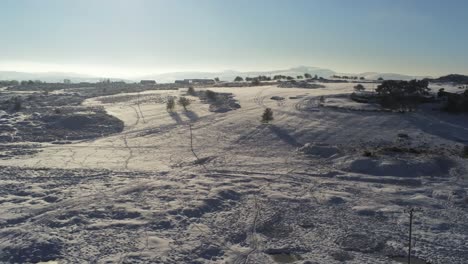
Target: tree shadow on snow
x=452 y=127
x=284 y=135
x=191 y=115
x=176 y=117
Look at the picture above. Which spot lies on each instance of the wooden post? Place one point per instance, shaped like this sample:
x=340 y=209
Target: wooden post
x=410 y=231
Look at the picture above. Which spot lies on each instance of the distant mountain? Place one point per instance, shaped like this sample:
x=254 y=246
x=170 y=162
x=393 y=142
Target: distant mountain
x=387 y=76
x=453 y=78
x=295 y=71
x=229 y=75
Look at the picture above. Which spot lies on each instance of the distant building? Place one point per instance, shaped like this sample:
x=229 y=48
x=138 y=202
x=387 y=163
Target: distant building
x=195 y=81
x=66 y=81
x=148 y=82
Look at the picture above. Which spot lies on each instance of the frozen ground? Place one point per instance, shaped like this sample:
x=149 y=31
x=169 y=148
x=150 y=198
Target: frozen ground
x=320 y=184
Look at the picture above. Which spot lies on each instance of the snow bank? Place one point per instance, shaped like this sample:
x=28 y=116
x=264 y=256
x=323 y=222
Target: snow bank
x=319 y=150
x=392 y=166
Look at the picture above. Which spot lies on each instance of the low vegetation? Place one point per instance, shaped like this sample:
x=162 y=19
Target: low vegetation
x=191 y=91
x=184 y=102
x=170 y=104
x=212 y=96
x=267 y=115
x=359 y=88
x=17 y=104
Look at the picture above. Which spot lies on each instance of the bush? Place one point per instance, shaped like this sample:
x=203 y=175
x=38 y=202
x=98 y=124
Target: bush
x=184 y=102
x=322 y=100
x=441 y=93
x=170 y=104
x=238 y=79
x=17 y=105
x=191 y=91
x=211 y=95
x=465 y=151
x=267 y=115
x=359 y=88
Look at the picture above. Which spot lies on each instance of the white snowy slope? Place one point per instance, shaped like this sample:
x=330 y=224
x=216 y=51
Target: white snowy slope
x=297 y=190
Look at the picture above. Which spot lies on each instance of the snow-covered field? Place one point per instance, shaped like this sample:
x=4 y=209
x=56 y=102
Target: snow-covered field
x=319 y=184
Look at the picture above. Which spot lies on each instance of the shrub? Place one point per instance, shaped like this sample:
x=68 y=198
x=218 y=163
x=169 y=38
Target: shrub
x=170 y=104
x=359 y=88
x=191 y=90
x=255 y=82
x=17 y=104
x=322 y=100
x=267 y=115
x=465 y=151
x=184 y=102
x=238 y=79
x=211 y=95
x=441 y=93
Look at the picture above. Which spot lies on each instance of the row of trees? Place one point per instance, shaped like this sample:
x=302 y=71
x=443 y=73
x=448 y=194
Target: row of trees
x=276 y=78
x=185 y=102
x=348 y=77
x=402 y=95
x=15 y=82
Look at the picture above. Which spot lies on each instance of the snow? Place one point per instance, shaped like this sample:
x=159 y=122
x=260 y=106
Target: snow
x=297 y=190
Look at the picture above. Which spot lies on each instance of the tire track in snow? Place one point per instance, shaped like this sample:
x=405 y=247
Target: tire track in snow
x=130 y=152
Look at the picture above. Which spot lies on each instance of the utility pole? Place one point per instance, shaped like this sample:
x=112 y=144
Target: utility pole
x=411 y=212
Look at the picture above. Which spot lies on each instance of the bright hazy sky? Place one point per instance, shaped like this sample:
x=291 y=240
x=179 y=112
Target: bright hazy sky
x=131 y=37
